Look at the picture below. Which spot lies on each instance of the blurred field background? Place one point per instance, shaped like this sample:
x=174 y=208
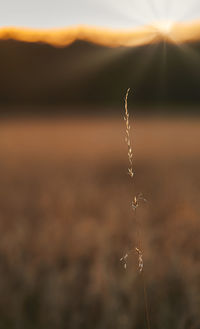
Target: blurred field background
x=66 y=221
x=65 y=194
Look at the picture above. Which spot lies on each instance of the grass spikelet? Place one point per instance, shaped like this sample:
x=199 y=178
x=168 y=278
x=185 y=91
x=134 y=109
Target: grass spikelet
x=127 y=137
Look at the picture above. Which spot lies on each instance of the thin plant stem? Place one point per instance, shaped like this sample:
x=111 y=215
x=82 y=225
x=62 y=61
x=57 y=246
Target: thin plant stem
x=135 y=204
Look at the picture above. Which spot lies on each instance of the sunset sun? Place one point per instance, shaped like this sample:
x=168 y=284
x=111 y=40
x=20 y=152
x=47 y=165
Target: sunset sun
x=164 y=27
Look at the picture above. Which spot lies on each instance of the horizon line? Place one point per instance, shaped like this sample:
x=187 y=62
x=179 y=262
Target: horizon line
x=171 y=32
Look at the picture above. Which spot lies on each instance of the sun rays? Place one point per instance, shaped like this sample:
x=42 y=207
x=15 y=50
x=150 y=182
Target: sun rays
x=119 y=44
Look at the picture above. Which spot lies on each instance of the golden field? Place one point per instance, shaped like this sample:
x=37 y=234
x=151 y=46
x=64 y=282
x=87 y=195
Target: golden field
x=66 y=220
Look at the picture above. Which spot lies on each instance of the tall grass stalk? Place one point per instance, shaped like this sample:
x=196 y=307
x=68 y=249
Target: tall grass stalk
x=134 y=205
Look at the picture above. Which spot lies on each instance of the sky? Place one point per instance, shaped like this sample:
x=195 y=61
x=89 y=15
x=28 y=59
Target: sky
x=101 y=13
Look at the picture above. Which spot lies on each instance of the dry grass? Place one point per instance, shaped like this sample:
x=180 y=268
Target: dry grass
x=65 y=220
x=134 y=205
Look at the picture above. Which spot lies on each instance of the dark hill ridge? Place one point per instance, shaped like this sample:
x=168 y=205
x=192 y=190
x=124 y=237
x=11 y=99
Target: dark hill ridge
x=85 y=73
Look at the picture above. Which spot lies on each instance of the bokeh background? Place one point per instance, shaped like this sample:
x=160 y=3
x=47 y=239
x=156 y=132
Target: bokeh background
x=65 y=195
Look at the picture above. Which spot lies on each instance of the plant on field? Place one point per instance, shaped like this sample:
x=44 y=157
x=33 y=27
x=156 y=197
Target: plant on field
x=134 y=205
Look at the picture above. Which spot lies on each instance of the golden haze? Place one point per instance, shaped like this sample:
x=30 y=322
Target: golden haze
x=175 y=32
